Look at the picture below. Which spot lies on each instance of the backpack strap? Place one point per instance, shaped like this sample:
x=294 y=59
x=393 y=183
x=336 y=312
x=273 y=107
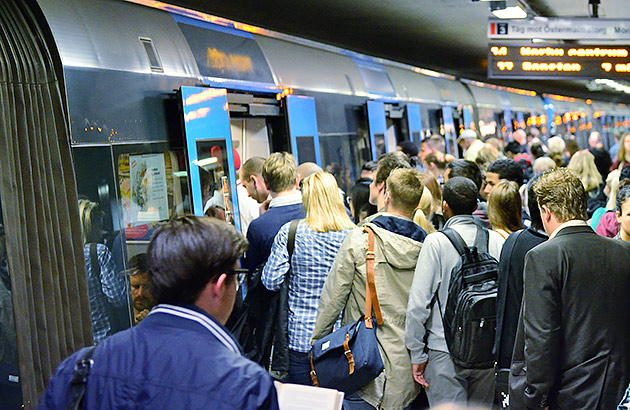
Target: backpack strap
x=371 y=298
x=456 y=240
x=79 y=379
x=482 y=239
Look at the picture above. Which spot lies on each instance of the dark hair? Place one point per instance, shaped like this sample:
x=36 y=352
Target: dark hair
x=513 y=147
x=571 y=146
x=369 y=166
x=187 y=253
x=466 y=169
x=532 y=204
x=138 y=263
x=389 y=162
x=602 y=161
x=409 y=148
x=624 y=174
x=537 y=150
x=360 y=197
x=623 y=194
x=507 y=169
x=460 y=193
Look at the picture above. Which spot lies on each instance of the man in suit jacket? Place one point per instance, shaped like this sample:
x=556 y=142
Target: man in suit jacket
x=576 y=313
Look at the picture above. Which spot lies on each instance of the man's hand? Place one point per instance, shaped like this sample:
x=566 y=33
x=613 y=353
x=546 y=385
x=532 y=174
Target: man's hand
x=141 y=315
x=418 y=374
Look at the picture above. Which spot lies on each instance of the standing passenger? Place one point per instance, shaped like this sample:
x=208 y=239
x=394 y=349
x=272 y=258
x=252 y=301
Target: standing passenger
x=397 y=243
x=317 y=241
x=106 y=288
x=510 y=292
x=180 y=356
x=576 y=308
x=280 y=176
x=433 y=367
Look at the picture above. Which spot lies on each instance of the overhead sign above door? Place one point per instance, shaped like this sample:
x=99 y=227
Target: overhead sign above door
x=559 y=29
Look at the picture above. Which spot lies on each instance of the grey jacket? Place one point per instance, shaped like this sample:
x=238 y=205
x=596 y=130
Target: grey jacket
x=437 y=259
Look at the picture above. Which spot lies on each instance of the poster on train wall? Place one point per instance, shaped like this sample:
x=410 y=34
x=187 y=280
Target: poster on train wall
x=149 y=199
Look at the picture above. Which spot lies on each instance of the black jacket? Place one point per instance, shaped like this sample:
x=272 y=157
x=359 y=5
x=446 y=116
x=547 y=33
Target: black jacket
x=510 y=291
x=576 y=317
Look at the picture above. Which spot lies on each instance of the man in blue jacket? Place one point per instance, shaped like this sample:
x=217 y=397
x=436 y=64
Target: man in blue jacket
x=180 y=356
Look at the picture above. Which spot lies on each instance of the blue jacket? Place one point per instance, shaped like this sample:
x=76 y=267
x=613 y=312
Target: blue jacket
x=262 y=231
x=177 y=358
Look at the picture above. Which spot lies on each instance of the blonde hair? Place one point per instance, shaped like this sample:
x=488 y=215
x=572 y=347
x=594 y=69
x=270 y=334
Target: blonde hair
x=563 y=193
x=323 y=204
x=280 y=172
x=424 y=208
x=612 y=182
x=405 y=186
x=88 y=215
x=505 y=207
x=583 y=163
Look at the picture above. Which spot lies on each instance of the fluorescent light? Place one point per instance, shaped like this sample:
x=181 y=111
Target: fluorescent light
x=180 y=174
x=515 y=12
x=204 y=162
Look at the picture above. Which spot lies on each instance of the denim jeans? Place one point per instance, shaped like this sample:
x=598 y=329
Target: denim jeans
x=299 y=368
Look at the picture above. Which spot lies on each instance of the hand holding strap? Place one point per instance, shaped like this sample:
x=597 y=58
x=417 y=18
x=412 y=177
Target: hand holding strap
x=371 y=298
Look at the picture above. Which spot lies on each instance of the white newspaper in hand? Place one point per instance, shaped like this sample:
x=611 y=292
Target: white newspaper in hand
x=298 y=397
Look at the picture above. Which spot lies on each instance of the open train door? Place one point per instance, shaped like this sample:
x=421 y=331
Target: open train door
x=212 y=174
x=302 y=126
x=450 y=134
x=377 y=127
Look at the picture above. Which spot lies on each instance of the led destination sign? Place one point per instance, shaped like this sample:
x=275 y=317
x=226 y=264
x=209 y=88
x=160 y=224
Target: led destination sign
x=554 y=61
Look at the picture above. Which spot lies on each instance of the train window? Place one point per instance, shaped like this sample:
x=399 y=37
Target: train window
x=306 y=148
x=153 y=187
x=154 y=59
x=343 y=155
x=487 y=123
x=214 y=173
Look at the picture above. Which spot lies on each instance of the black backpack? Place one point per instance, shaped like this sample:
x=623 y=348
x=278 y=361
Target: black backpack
x=470 y=317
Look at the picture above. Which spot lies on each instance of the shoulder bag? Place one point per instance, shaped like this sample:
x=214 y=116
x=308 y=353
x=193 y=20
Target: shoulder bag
x=348 y=359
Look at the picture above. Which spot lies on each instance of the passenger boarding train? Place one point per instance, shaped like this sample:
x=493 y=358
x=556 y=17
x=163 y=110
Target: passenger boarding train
x=159 y=98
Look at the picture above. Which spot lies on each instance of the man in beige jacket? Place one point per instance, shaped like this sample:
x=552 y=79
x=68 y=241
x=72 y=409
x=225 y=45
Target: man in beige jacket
x=397 y=245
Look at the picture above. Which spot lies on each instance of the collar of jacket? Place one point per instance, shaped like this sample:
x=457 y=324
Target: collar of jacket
x=399 y=225
x=195 y=314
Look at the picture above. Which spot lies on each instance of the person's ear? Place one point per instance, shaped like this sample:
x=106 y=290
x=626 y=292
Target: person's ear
x=388 y=197
x=381 y=186
x=445 y=207
x=218 y=286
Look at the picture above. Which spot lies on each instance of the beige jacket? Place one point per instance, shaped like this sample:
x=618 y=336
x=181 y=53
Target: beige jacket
x=344 y=290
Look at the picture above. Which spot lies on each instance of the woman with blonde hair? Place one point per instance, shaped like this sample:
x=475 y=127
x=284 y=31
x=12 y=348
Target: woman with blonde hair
x=505 y=208
x=107 y=291
x=317 y=241
x=583 y=164
x=623 y=153
x=424 y=208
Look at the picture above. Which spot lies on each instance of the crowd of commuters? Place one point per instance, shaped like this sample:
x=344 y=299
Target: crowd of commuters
x=552 y=219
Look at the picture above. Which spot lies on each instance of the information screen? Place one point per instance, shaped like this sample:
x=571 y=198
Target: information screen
x=558 y=61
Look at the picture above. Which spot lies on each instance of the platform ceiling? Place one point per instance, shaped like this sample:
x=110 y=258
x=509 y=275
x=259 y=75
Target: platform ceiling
x=444 y=35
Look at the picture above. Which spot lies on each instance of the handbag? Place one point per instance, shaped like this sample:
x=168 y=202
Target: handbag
x=349 y=358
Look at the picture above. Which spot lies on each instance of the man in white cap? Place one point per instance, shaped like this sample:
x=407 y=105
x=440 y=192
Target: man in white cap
x=469 y=144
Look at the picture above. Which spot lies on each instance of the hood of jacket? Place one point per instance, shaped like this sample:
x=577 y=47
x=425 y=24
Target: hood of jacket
x=394 y=240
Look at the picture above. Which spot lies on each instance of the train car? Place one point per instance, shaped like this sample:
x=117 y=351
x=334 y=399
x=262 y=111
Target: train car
x=163 y=103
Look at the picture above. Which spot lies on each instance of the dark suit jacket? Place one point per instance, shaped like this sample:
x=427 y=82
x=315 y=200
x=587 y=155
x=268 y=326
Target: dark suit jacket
x=577 y=321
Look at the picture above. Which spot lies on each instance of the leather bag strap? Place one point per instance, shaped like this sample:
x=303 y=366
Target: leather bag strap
x=371 y=297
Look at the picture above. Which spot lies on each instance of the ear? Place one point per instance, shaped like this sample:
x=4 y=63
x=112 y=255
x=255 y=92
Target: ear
x=618 y=216
x=217 y=287
x=297 y=181
x=388 y=197
x=445 y=207
x=381 y=186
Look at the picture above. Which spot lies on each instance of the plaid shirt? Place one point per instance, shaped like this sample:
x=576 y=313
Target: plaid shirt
x=313 y=256
x=108 y=289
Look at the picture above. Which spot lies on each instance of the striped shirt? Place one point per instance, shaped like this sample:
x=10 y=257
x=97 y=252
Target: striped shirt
x=313 y=256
